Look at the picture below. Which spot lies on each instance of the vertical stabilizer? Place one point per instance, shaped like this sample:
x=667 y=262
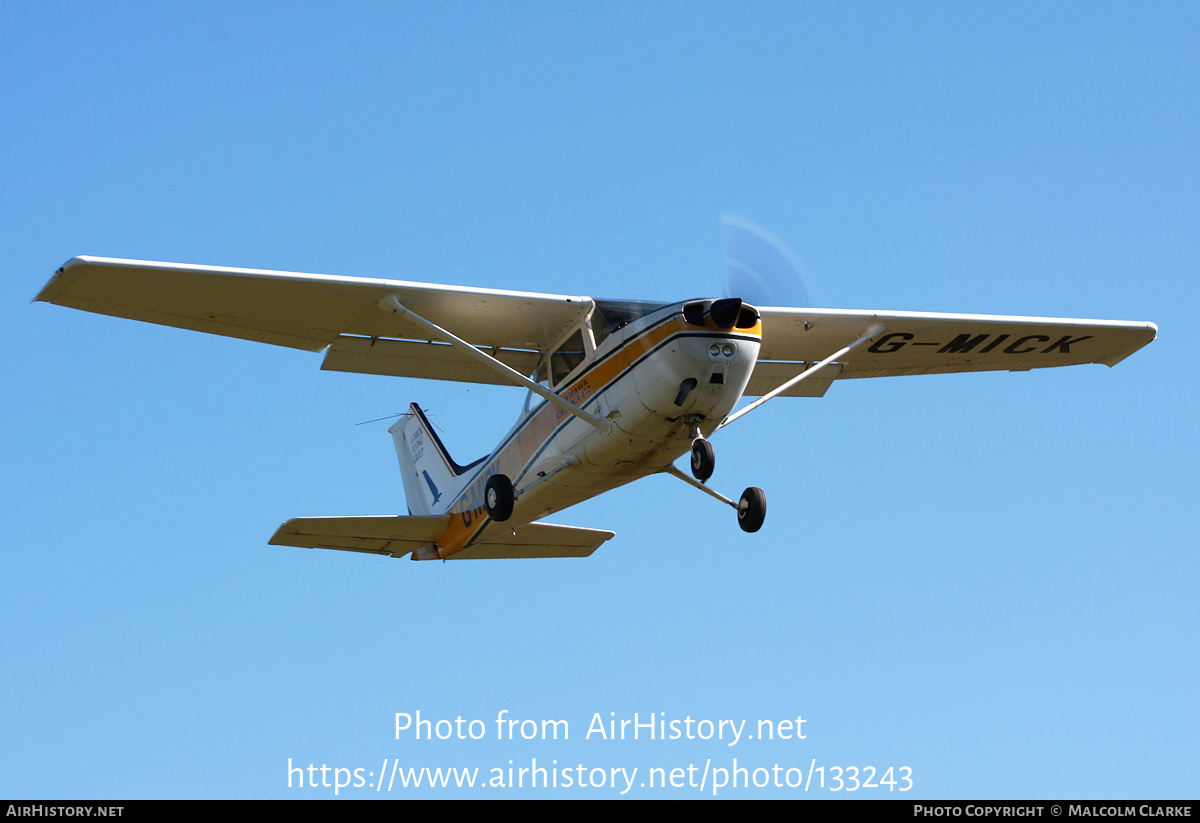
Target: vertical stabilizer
x=432 y=480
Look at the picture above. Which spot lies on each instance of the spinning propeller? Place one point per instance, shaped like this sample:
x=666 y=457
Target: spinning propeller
x=759 y=268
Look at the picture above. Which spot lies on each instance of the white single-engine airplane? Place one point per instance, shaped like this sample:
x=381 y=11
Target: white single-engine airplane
x=617 y=389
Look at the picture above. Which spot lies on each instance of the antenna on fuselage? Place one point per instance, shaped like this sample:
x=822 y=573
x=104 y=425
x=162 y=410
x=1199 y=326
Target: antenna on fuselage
x=377 y=419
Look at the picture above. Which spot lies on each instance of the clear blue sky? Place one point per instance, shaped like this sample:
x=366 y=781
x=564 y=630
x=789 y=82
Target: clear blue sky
x=990 y=579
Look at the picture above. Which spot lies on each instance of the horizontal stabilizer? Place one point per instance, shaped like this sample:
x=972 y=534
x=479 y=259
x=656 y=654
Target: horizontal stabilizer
x=394 y=536
x=538 y=540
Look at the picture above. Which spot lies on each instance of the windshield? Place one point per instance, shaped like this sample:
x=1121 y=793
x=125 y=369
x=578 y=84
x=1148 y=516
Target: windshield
x=611 y=315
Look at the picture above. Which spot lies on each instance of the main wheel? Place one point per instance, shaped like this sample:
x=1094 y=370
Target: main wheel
x=498 y=497
x=752 y=509
x=704 y=459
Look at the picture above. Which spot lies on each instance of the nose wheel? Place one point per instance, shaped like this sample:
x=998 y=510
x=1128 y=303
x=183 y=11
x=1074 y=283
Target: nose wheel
x=704 y=459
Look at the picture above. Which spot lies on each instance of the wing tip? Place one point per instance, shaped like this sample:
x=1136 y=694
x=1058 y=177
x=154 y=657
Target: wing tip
x=58 y=281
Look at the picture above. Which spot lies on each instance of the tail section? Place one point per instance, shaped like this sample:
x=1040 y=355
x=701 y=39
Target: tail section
x=432 y=480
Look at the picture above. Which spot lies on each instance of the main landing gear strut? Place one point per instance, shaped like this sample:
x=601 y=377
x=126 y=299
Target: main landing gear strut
x=751 y=509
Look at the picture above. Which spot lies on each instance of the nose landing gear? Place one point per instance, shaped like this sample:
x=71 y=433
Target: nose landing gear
x=704 y=459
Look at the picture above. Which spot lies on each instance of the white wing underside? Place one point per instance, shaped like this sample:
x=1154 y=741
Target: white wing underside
x=341 y=316
x=931 y=343
x=315 y=311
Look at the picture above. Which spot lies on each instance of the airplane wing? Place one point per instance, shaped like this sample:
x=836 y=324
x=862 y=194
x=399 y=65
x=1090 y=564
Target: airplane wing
x=930 y=343
x=316 y=312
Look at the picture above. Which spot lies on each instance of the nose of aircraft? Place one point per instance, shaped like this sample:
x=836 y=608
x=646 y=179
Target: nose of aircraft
x=702 y=373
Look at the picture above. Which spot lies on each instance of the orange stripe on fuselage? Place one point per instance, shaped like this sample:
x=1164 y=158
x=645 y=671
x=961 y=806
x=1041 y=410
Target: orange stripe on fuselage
x=468 y=514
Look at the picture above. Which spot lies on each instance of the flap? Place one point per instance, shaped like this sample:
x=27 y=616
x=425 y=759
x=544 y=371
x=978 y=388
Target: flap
x=418 y=358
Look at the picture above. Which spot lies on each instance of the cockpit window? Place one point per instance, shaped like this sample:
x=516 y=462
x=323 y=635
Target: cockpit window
x=541 y=377
x=599 y=327
x=566 y=357
x=616 y=314
x=552 y=370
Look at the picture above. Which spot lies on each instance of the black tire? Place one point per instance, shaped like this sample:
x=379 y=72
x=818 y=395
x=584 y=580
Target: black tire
x=752 y=509
x=704 y=459
x=498 y=497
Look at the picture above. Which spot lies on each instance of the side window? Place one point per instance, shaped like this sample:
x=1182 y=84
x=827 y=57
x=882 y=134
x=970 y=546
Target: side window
x=541 y=377
x=566 y=358
x=552 y=370
x=600 y=329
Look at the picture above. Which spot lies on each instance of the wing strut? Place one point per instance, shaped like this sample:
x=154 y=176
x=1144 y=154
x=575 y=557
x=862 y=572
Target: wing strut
x=809 y=372
x=392 y=304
